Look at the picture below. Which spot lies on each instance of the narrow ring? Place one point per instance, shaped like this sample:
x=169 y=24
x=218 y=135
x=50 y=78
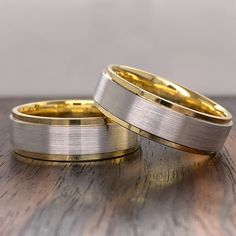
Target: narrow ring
x=68 y=130
x=161 y=110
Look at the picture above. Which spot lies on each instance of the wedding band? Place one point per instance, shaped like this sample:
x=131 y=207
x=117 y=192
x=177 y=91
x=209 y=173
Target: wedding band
x=161 y=110
x=68 y=130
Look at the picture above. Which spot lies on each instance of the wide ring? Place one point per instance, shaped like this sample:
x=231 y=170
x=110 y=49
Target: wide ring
x=161 y=110
x=68 y=130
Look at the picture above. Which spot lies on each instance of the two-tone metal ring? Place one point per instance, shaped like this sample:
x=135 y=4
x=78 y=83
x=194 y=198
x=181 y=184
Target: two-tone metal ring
x=161 y=110
x=68 y=130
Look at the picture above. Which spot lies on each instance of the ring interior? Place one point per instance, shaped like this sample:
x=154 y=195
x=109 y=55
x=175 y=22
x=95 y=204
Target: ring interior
x=62 y=109
x=170 y=91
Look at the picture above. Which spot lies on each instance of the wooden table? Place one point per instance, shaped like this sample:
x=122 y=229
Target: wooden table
x=157 y=191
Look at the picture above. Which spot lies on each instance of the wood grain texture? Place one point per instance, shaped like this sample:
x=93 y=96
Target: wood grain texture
x=157 y=191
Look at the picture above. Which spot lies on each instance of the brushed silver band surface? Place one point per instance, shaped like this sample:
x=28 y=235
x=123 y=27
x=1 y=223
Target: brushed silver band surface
x=77 y=142
x=140 y=114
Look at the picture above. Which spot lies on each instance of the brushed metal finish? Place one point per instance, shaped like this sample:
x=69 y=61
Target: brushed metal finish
x=158 y=120
x=166 y=93
x=71 y=140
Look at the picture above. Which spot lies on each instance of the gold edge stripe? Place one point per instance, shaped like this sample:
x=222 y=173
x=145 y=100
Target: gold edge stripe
x=151 y=136
x=60 y=121
x=75 y=158
x=164 y=102
x=116 y=160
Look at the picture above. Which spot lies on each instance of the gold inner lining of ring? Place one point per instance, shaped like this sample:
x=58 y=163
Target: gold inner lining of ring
x=172 y=92
x=60 y=112
x=62 y=109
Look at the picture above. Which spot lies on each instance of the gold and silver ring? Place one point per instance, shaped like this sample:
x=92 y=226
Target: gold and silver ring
x=68 y=130
x=161 y=110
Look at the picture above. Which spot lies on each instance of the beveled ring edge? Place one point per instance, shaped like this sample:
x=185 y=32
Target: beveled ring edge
x=75 y=158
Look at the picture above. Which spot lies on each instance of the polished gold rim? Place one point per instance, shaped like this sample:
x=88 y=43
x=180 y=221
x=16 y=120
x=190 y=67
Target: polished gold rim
x=60 y=112
x=151 y=136
x=75 y=158
x=117 y=159
x=168 y=94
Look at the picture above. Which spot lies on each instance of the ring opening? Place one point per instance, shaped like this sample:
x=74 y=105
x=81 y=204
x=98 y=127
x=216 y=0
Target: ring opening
x=170 y=91
x=62 y=109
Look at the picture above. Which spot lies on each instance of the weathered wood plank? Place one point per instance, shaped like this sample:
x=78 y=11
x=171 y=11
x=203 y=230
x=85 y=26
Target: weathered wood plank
x=158 y=191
